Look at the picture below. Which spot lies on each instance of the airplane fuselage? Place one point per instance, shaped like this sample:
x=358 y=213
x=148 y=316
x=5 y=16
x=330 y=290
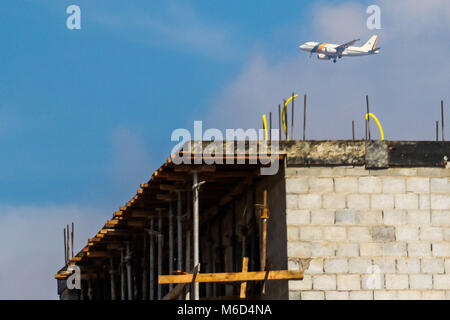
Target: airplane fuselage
x=327 y=51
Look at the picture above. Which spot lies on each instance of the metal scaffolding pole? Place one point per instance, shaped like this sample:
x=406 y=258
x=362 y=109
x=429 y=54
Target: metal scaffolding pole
x=122 y=276
x=195 y=228
x=179 y=234
x=129 y=275
x=152 y=260
x=112 y=273
x=170 y=242
x=160 y=247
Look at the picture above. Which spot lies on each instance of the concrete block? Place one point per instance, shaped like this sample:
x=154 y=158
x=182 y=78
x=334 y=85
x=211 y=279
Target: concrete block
x=320 y=185
x=421 y=281
x=294 y=264
x=359 y=265
x=294 y=295
x=305 y=284
x=440 y=218
x=440 y=185
x=336 y=266
x=324 y=282
x=358 y=201
x=334 y=233
x=447 y=265
x=446 y=232
x=407 y=172
x=431 y=234
x=315 y=266
x=432 y=265
x=297 y=217
x=361 y=295
x=394 y=249
x=424 y=202
x=407 y=201
x=441 y=281
x=346 y=217
x=382 y=201
x=440 y=201
x=383 y=233
x=309 y=201
x=299 y=249
x=409 y=295
x=418 y=217
x=394 y=185
x=346 y=185
x=297 y=185
x=385 y=295
x=407 y=233
x=291 y=201
x=333 y=201
x=370 y=185
x=397 y=281
x=336 y=295
x=441 y=249
x=385 y=265
x=418 y=185
x=347 y=250
x=313 y=295
x=311 y=233
x=395 y=217
x=372 y=281
x=371 y=249
x=370 y=217
x=419 y=249
x=348 y=282
x=292 y=233
x=323 y=249
x=408 y=265
x=433 y=295
x=322 y=217
x=359 y=234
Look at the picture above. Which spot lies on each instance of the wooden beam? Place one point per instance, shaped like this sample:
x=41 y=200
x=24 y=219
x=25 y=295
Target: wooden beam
x=244 y=284
x=232 y=276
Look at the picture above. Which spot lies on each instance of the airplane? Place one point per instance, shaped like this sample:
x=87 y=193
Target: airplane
x=328 y=51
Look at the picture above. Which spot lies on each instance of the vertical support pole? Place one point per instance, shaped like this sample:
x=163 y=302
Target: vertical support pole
x=129 y=274
x=90 y=290
x=437 y=130
x=442 y=119
x=65 y=247
x=170 y=241
x=304 y=117
x=286 y=121
x=270 y=126
x=144 y=269
x=112 y=274
x=71 y=242
x=188 y=263
x=196 y=227
x=160 y=247
x=179 y=234
x=292 y=118
x=122 y=276
x=353 y=130
x=368 y=118
x=279 y=122
x=152 y=260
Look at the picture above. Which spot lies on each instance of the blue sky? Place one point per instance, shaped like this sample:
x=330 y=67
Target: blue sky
x=86 y=115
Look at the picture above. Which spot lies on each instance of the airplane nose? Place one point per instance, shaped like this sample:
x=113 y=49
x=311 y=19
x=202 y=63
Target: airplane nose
x=303 y=46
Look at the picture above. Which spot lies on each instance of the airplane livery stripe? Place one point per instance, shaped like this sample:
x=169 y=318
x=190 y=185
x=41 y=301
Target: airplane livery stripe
x=321 y=46
x=315 y=48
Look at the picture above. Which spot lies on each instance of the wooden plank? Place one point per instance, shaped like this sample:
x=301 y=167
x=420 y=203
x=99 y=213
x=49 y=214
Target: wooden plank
x=232 y=276
x=244 y=284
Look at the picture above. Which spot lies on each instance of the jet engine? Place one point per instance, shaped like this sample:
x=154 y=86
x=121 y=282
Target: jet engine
x=322 y=56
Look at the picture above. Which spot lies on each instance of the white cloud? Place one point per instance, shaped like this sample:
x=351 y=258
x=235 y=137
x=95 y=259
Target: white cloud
x=405 y=82
x=33 y=247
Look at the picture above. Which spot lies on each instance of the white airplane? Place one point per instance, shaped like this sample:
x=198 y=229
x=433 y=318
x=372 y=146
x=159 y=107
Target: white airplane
x=328 y=51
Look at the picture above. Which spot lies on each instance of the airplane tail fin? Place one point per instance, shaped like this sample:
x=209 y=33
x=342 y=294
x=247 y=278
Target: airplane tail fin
x=371 y=44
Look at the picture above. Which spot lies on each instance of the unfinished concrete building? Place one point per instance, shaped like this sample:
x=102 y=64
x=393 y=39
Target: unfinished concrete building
x=345 y=220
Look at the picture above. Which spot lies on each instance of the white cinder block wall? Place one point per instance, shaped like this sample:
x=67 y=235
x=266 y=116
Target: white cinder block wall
x=369 y=234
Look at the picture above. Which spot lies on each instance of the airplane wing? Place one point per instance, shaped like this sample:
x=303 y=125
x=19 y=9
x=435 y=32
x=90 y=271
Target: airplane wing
x=344 y=46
